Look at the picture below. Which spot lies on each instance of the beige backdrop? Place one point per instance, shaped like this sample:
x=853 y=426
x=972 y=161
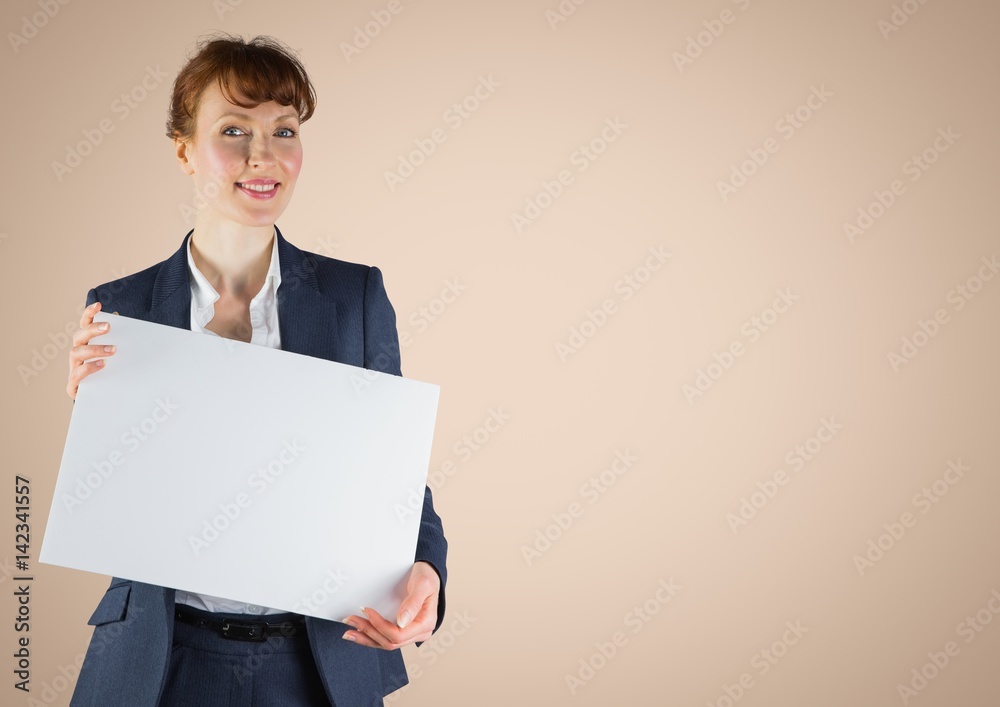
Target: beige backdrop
x=725 y=271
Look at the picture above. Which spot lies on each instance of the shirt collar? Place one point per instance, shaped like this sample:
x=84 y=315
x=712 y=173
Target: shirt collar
x=204 y=295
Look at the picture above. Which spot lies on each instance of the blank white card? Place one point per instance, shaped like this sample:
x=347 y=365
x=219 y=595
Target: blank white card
x=241 y=471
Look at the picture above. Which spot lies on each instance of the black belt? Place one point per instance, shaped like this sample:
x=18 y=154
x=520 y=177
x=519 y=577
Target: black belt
x=242 y=630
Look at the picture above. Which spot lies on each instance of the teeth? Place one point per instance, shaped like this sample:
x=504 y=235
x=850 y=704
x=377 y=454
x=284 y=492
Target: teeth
x=258 y=187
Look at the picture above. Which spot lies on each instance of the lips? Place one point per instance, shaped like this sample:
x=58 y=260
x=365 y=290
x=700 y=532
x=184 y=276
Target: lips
x=258 y=188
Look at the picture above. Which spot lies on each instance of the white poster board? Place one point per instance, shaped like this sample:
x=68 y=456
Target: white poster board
x=241 y=471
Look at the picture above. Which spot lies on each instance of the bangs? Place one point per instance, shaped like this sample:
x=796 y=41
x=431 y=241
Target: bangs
x=247 y=83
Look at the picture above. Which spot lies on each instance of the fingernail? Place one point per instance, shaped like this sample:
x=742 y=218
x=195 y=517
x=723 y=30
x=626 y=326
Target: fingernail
x=403 y=619
x=349 y=637
x=98 y=363
x=109 y=349
x=364 y=610
x=103 y=327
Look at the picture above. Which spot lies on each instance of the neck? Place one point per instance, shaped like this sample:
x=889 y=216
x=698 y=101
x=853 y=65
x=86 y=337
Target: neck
x=232 y=257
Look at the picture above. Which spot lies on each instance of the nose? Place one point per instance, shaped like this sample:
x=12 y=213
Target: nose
x=260 y=152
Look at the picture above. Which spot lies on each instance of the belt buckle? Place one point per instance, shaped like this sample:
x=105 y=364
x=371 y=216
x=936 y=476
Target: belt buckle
x=244 y=631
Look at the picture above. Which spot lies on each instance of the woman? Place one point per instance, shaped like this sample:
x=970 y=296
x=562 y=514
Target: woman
x=235 y=115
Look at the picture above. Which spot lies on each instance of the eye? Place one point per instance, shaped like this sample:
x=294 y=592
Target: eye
x=289 y=130
x=231 y=127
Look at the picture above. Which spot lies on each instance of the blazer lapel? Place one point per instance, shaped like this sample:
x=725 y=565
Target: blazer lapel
x=171 y=299
x=307 y=316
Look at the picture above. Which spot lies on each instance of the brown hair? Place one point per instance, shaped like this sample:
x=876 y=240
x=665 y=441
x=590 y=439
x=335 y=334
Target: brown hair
x=260 y=70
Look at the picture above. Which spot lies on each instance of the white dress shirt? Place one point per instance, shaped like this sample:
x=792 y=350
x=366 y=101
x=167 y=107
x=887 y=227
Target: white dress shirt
x=264 y=320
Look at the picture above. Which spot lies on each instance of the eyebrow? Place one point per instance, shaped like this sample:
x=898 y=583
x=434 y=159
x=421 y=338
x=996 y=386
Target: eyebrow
x=244 y=116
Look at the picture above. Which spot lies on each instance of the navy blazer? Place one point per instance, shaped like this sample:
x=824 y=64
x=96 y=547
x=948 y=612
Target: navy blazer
x=329 y=309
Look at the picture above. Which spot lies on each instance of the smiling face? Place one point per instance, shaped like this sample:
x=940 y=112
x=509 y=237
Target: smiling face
x=244 y=161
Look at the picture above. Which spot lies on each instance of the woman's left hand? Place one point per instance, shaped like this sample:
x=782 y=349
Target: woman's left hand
x=415 y=620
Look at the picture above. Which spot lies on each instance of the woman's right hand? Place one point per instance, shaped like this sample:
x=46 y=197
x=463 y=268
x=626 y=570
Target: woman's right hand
x=82 y=350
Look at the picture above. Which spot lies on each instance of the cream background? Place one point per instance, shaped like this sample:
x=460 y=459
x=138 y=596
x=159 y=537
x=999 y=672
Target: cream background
x=119 y=212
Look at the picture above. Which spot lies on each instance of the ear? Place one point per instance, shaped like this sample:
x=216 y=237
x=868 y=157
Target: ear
x=181 y=149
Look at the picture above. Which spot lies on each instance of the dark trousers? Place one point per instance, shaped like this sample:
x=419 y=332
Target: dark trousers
x=209 y=670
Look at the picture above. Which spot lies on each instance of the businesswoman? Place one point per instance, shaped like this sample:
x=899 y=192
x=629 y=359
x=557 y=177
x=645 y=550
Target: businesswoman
x=235 y=117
